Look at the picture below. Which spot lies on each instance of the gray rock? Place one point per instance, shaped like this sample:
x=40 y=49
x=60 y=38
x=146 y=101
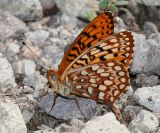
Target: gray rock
x=27 y=113
x=149 y=28
x=144 y=122
x=11 y=119
x=156 y=37
x=7 y=79
x=158 y=130
x=67 y=108
x=12 y=49
x=104 y=124
x=130 y=112
x=139 y=58
x=10 y=26
x=27 y=89
x=38 y=37
x=149 y=3
x=119 y=25
x=146 y=56
x=47 y=5
x=28 y=10
x=72 y=8
x=143 y=80
x=25 y=66
x=149 y=97
x=63 y=128
x=38 y=82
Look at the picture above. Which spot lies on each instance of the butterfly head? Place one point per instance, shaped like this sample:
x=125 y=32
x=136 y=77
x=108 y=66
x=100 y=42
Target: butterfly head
x=52 y=77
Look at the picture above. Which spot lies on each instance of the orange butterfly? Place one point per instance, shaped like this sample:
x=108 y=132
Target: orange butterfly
x=96 y=64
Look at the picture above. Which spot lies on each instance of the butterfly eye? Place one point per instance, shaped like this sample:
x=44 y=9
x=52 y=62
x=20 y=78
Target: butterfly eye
x=54 y=77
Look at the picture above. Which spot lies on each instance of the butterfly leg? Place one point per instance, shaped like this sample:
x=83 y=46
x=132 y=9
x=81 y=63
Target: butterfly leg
x=115 y=110
x=78 y=105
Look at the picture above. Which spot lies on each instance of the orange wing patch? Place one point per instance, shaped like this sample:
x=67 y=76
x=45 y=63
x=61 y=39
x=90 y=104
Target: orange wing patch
x=99 y=28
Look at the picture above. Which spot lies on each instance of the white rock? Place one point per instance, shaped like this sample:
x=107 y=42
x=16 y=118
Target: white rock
x=27 y=113
x=27 y=10
x=144 y=122
x=11 y=119
x=104 y=124
x=38 y=82
x=72 y=8
x=27 y=89
x=10 y=25
x=12 y=49
x=149 y=97
x=146 y=55
x=149 y=2
x=158 y=131
x=156 y=37
x=38 y=37
x=7 y=79
x=26 y=67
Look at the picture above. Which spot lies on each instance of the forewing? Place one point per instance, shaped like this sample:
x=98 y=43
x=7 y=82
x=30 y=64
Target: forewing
x=99 y=28
x=118 y=47
x=103 y=82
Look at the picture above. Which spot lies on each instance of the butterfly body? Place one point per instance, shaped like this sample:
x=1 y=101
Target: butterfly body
x=96 y=64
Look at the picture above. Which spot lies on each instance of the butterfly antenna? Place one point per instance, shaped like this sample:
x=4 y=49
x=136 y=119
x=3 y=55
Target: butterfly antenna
x=35 y=55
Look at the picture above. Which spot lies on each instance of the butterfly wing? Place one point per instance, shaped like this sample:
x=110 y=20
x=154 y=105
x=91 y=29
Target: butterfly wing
x=99 y=28
x=103 y=82
x=118 y=47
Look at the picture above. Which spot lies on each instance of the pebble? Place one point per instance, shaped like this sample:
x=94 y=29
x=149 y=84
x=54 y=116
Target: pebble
x=144 y=122
x=7 y=79
x=104 y=124
x=149 y=97
x=11 y=119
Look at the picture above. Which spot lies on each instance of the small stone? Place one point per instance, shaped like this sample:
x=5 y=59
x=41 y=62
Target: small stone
x=104 y=124
x=146 y=56
x=143 y=80
x=37 y=37
x=31 y=98
x=156 y=37
x=25 y=66
x=7 y=79
x=29 y=11
x=12 y=49
x=27 y=114
x=144 y=122
x=119 y=25
x=28 y=67
x=63 y=128
x=149 y=97
x=48 y=5
x=150 y=28
x=67 y=108
x=27 y=89
x=10 y=25
x=38 y=82
x=11 y=119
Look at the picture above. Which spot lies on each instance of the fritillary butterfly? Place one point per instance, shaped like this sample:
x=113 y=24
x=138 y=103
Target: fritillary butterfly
x=96 y=64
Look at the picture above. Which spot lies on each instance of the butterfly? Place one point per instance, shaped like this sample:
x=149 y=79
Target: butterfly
x=96 y=64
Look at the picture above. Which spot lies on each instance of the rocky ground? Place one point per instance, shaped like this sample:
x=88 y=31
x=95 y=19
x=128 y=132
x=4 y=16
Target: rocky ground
x=48 y=27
